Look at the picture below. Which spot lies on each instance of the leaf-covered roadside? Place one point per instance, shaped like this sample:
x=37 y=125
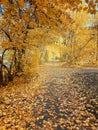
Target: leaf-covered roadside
x=60 y=99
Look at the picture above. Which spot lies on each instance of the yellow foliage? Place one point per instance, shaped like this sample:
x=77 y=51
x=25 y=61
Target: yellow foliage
x=54 y=21
x=31 y=61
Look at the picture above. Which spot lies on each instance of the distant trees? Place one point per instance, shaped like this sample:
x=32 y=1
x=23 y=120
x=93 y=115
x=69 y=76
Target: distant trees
x=80 y=39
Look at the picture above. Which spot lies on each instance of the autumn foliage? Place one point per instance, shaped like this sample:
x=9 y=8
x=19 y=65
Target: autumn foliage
x=29 y=26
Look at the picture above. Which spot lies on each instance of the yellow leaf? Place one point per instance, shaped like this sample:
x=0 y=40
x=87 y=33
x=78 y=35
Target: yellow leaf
x=28 y=10
x=21 y=3
x=3 y=128
x=45 y=10
x=4 y=45
x=25 y=17
x=78 y=121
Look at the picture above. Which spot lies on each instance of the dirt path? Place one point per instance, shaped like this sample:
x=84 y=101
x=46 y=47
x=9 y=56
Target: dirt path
x=59 y=99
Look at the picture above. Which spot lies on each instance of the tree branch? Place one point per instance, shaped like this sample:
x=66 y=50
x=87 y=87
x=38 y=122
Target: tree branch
x=7 y=35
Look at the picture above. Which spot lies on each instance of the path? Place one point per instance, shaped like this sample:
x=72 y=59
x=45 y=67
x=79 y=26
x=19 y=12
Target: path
x=60 y=99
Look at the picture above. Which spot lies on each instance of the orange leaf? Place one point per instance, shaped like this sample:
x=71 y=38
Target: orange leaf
x=4 y=2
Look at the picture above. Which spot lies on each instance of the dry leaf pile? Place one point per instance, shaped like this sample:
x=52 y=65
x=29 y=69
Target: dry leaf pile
x=59 y=99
